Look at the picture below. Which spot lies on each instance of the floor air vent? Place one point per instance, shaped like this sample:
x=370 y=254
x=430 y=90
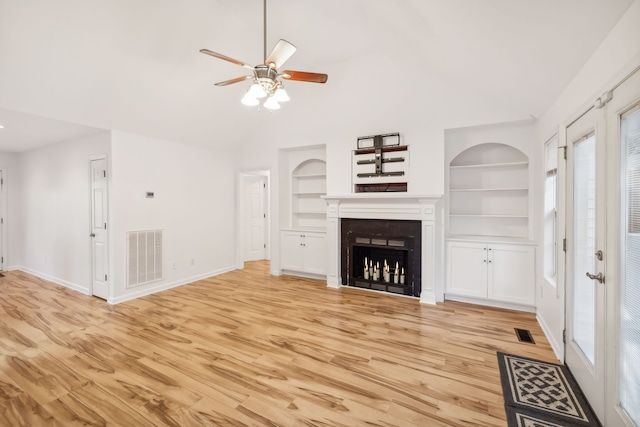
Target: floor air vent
x=144 y=257
x=524 y=336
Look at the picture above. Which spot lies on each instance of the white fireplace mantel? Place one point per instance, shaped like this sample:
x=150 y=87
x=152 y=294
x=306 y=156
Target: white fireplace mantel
x=424 y=208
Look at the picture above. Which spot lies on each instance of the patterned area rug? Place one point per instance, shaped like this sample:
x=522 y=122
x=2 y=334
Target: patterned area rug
x=540 y=394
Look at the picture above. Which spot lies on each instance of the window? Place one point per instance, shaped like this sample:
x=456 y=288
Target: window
x=550 y=209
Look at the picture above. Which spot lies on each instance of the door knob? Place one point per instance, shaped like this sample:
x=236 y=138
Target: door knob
x=599 y=277
x=92 y=235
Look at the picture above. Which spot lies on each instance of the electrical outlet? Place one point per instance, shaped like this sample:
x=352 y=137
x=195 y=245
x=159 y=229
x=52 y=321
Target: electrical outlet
x=173 y=265
x=193 y=261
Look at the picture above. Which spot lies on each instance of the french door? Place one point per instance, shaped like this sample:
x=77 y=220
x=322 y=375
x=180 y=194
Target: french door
x=623 y=296
x=603 y=255
x=586 y=256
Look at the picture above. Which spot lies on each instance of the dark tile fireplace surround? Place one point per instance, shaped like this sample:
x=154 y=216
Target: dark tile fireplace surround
x=377 y=240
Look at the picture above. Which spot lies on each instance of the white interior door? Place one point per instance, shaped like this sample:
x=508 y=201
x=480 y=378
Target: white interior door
x=586 y=257
x=254 y=218
x=99 y=236
x=623 y=275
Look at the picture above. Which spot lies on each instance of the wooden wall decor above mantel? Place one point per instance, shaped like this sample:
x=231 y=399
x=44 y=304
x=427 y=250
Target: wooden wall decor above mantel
x=380 y=164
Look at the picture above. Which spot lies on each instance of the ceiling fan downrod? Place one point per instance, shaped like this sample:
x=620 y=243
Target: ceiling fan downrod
x=264 y=26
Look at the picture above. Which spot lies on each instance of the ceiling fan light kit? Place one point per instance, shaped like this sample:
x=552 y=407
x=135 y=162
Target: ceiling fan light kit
x=265 y=79
x=249 y=100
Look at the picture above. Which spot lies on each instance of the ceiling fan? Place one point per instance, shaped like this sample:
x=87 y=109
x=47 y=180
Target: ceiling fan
x=266 y=77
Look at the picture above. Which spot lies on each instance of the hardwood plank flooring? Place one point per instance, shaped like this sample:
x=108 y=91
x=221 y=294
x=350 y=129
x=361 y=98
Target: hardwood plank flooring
x=248 y=349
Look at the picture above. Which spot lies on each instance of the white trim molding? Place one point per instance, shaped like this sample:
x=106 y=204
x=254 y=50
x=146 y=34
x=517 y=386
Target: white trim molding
x=390 y=206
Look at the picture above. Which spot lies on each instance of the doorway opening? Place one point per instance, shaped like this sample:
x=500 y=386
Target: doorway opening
x=253 y=227
x=99 y=234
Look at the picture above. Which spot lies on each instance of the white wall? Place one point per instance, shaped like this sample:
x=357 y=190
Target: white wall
x=618 y=54
x=10 y=210
x=55 y=210
x=194 y=204
x=420 y=108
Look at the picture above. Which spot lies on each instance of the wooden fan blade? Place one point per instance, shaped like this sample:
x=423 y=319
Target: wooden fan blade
x=280 y=54
x=303 y=76
x=226 y=58
x=232 y=81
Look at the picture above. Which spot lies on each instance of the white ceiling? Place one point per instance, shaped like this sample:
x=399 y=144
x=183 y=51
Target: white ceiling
x=135 y=65
x=24 y=132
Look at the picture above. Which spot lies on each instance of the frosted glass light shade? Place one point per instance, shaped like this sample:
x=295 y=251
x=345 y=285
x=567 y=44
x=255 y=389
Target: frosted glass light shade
x=281 y=95
x=271 y=104
x=249 y=100
x=257 y=91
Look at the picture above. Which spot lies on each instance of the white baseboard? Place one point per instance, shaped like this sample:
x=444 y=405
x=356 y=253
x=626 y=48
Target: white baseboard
x=427 y=297
x=333 y=282
x=56 y=280
x=490 y=303
x=165 y=286
x=558 y=347
x=303 y=274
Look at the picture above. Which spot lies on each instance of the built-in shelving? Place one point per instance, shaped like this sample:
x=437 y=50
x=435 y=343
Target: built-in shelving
x=488 y=189
x=308 y=185
x=489 y=192
x=490 y=216
x=489 y=165
x=310 y=175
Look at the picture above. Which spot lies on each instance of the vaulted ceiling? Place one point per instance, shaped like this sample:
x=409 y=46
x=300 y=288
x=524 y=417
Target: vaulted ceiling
x=134 y=65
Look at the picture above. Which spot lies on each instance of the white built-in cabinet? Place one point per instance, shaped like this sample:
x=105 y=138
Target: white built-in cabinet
x=304 y=252
x=490 y=257
x=303 y=239
x=499 y=272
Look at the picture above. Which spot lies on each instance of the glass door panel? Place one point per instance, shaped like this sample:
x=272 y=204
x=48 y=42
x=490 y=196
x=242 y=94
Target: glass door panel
x=584 y=244
x=629 y=356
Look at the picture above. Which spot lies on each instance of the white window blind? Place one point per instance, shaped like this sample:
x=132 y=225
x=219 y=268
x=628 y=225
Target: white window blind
x=630 y=265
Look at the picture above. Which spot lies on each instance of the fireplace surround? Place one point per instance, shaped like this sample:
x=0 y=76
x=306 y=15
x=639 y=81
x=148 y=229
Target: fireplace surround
x=391 y=249
x=425 y=210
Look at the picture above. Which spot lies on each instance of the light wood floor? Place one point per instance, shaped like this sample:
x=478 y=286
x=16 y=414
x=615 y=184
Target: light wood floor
x=246 y=348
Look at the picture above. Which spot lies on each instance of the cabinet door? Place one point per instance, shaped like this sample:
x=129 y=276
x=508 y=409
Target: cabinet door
x=291 y=251
x=511 y=274
x=315 y=253
x=467 y=269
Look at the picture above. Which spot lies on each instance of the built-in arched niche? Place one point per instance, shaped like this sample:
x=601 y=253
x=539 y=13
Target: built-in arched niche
x=489 y=192
x=308 y=185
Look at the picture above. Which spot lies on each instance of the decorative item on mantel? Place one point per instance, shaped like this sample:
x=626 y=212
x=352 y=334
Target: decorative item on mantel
x=380 y=164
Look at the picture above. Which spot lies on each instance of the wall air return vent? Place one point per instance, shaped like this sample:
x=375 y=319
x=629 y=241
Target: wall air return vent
x=144 y=257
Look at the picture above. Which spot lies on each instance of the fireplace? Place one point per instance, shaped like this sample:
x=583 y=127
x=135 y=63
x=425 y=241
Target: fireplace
x=418 y=250
x=391 y=250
